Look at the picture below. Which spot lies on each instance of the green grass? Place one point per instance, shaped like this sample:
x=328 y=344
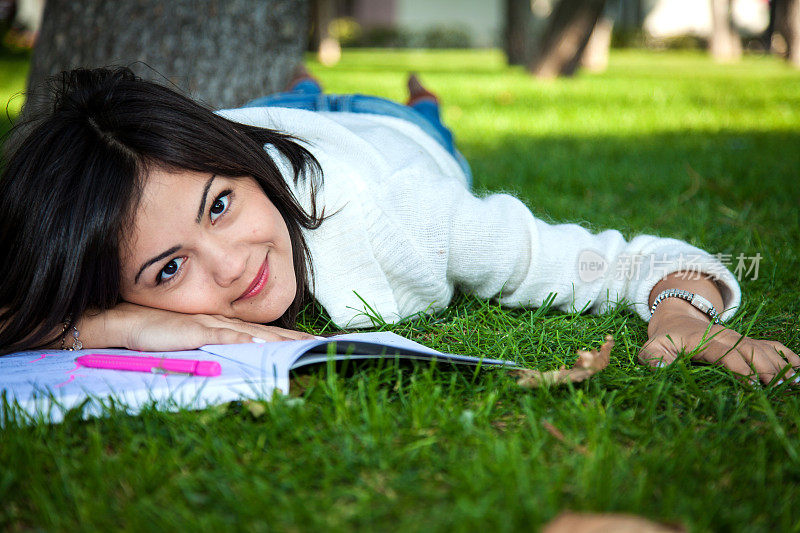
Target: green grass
x=13 y=72
x=665 y=143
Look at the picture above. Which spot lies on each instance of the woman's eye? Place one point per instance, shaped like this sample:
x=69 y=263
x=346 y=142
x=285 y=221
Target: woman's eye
x=219 y=206
x=170 y=269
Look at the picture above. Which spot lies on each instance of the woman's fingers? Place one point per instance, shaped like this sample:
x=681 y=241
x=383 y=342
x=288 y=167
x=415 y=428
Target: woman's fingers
x=769 y=362
x=785 y=352
x=731 y=358
x=254 y=331
x=225 y=336
x=272 y=333
x=292 y=334
x=241 y=334
x=780 y=363
x=747 y=357
x=782 y=357
x=767 y=359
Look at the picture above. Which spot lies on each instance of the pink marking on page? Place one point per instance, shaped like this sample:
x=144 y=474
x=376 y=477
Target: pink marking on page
x=42 y=357
x=70 y=380
x=71 y=376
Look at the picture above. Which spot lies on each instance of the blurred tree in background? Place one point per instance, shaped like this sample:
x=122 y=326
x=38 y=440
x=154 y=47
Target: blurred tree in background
x=223 y=53
x=555 y=37
x=725 y=43
x=561 y=46
x=785 y=21
x=557 y=48
x=517 y=34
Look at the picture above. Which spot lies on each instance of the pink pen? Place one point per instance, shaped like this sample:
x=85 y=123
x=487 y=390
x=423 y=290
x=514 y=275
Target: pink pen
x=156 y=365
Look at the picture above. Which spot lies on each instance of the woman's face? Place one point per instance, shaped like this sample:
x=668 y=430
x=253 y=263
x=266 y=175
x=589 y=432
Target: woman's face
x=206 y=244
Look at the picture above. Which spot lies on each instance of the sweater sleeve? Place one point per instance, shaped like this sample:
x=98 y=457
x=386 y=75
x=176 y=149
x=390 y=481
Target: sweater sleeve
x=498 y=248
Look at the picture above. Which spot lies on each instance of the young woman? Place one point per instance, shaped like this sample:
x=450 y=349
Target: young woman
x=132 y=216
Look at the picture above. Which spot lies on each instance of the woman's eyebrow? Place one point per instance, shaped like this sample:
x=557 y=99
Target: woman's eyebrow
x=174 y=249
x=203 y=200
x=155 y=259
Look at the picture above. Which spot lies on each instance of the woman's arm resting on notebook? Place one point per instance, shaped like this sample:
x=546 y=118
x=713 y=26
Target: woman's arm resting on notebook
x=143 y=328
x=676 y=325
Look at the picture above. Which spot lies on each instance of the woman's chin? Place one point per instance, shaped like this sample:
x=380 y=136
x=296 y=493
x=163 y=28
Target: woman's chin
x=256 y=318
x=262 y=312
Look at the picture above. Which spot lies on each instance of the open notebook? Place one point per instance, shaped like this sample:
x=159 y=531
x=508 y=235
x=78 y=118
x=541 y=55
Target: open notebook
x=44 y=384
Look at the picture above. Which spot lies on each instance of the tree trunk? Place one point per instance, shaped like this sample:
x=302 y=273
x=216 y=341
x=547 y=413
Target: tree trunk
x=565 y=38
x=791 y=31
x=725 y=45
x=766 y=37
x=329 y=51
x=517 y=28
x=595 y=56
x=221 y=52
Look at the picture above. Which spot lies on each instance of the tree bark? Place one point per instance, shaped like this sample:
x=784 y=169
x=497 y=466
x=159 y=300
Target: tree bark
x=517 y=29
x=766 y=38
x=221 y=52
x=725 y=44
x=329 y=51
x=595 y=56
x=791 y=31
x=565 y=38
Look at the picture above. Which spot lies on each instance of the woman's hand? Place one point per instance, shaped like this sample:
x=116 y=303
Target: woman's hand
x=673 y=331
x=143 y=328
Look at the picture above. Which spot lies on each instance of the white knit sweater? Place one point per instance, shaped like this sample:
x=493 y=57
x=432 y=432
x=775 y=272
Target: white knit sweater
x=407 y=233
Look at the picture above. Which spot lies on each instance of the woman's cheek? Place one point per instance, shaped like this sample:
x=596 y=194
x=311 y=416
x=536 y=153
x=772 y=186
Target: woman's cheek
x=195 y=298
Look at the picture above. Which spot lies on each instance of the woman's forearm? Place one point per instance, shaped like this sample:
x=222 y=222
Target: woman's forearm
x=701 y=284
x=103 y=329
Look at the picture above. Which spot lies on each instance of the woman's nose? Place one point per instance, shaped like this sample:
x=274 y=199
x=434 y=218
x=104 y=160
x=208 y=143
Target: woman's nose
x=228 y=263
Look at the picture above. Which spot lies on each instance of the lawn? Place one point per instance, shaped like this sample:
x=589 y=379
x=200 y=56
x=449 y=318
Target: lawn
x=664 y=143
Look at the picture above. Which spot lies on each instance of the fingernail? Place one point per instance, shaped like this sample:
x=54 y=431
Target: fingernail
x=779 y=382
x=320 y=338
x=259 y=340
x=660 y=364
x=797 y=378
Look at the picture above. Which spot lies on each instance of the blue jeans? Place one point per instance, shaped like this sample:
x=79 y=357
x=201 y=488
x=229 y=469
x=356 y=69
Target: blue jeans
x=308 y=95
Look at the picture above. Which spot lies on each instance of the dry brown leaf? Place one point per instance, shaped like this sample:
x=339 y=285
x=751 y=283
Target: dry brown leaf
x=569 y=522
x=589 y=363
x=256 y=408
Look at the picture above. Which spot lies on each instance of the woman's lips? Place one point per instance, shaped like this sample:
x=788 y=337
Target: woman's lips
x=258 y=282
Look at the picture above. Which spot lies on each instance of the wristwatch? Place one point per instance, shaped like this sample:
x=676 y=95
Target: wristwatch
x=695 y=299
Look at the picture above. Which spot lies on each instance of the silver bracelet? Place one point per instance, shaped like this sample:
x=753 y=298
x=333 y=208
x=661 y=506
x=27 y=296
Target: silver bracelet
x=695 y=299
x=70 y=330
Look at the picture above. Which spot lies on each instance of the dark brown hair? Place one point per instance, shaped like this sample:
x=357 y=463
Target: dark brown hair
x=70 y=184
